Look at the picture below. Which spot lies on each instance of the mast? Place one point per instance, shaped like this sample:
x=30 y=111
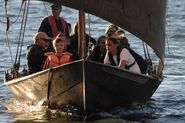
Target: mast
x=81 y=34
x=81 y=49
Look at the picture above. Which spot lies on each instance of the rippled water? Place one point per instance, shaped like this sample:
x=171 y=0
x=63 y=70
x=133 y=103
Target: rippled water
x=167 y=105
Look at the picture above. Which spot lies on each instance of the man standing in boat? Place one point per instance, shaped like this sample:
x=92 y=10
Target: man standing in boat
x=54 y=24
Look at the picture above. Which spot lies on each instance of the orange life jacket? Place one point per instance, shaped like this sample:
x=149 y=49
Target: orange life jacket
x=53 y=25
x=53 y=60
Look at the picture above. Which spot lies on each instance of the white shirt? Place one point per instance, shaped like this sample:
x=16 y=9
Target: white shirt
x=124 y=55
x=107 y=61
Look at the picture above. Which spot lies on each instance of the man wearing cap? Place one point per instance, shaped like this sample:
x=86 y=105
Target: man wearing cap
x=54 y=24
x=35 y=52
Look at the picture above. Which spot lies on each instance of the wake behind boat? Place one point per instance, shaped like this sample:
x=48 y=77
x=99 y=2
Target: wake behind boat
x=93 y=86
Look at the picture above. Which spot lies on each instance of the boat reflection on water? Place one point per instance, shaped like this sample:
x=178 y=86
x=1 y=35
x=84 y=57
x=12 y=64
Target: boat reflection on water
x=26 y=112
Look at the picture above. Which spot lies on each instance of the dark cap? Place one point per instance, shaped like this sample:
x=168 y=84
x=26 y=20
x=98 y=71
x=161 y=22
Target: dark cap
x=55 y=6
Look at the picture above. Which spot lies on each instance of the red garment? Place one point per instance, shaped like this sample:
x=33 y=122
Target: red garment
x=54 y=27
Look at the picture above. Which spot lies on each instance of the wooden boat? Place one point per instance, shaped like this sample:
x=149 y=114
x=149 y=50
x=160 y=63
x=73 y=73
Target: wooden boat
x=94 y=86
x=48 y=83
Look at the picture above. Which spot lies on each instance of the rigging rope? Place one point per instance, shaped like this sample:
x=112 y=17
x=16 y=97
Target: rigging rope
x=9 y=49
x=89 y=33
x=8 y=21
x=8 y=25
x=21 y=37
x=25 y=8
x=147 y=51
x=45 y=8
x=7 y=17
x=144 y=50
x=147 y=58
x=24 y=27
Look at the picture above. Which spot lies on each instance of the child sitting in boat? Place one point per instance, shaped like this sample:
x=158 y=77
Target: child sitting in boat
x=59 y=57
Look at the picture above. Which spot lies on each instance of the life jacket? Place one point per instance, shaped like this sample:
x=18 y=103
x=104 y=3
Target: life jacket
x=53 y=60
x=112 y=62
x=53 y=25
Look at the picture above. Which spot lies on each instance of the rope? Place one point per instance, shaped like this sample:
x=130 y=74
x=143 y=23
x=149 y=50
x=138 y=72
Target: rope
x=5 y=10
x=149 y=61
x=20 y=34
x=89 y=21
x=148 y=52
x=144 y=50
x=167 y=37
x=45 y=8
x=7 y=17
x=9 y=49
x=89 y=33
x=18 y=14
x=25 y=21
x=7 y=28
x=147 y=58
x=8 y=25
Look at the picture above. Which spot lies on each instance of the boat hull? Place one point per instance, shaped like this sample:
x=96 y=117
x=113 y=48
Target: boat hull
x=59 y=85
x=91 y=86
x=108 y=86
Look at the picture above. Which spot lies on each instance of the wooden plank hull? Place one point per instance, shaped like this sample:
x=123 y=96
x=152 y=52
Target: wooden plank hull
x=31 y=88
x=52 y=84
x=107 y=86
x=66 y=85
x=90 y=85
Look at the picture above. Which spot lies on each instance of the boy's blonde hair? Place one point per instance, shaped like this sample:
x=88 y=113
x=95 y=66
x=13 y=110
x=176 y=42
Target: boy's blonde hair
x=57 y=40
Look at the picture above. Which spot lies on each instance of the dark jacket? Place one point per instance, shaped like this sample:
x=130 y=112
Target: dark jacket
x=74 y=52
x=74 y=41
x=97 y=55
x=46 y=27
x=35 y=58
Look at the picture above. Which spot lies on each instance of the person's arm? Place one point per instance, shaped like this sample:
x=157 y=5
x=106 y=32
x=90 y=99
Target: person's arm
x=122 y=63
x=45 y=27
x=123 y=58
x=106 y=59
x=46 y=64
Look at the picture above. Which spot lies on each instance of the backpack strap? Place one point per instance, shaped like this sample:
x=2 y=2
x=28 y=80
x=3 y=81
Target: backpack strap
x=128 y=66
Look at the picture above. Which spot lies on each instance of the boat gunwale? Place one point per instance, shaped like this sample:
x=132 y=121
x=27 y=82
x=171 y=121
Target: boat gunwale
x=20 y=79
x=125 y=70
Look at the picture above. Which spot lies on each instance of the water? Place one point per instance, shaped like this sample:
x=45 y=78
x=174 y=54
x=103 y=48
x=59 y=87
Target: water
x=167 y=105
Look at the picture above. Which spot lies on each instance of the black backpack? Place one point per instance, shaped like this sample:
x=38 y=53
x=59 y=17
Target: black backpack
x=140 y=61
